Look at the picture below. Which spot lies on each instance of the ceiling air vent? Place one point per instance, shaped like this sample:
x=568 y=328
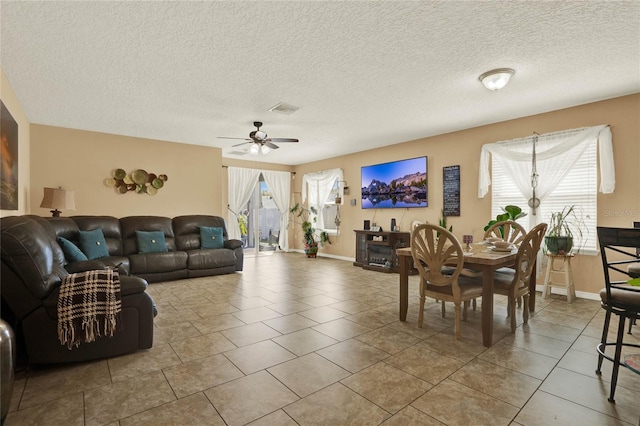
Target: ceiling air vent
x=284 y=108
x=238 y=153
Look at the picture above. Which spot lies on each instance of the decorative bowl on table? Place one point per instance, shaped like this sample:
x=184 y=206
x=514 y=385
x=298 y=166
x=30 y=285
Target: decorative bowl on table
x=503 y=245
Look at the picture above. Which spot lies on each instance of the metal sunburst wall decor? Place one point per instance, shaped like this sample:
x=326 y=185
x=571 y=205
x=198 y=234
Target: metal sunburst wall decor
x=138 y=181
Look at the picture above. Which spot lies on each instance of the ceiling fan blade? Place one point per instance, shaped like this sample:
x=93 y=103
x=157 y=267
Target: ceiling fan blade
x=243 y=143
x=281 y=140
x=242 y=139
x=271 y=145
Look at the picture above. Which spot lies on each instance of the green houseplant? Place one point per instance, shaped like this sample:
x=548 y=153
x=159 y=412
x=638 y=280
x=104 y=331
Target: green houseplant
x=564 y=226
x=442 y=222
x=242 y=222
x=306 y=217
x=510 y=213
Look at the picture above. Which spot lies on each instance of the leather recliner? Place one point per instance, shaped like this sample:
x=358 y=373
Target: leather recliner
x=33 y=267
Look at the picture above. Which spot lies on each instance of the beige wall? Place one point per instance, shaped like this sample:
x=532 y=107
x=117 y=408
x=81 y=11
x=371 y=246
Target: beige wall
x=463 y=148
x=12 y=103
x=81 y=161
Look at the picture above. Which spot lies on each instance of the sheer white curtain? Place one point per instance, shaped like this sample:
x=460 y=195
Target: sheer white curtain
x=556 y=153
x=280 y=185
x=242 y=182
x=319 y=188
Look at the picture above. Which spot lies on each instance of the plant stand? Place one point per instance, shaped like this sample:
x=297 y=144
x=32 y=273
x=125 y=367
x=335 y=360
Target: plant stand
x=563 y=268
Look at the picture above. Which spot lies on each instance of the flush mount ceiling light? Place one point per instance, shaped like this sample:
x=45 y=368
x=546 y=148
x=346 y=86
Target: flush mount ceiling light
x=496 y=79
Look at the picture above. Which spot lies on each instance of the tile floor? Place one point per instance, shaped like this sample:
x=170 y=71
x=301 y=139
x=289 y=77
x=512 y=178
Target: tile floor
x=317 y=341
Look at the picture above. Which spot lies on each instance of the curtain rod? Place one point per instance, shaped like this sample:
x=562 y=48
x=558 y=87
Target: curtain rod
x=224 y=166
x=550 y=134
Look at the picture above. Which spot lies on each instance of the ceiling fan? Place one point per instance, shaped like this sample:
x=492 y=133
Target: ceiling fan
x=259 y=140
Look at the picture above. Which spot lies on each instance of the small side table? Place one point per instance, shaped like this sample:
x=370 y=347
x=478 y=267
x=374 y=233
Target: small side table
x=559 y=264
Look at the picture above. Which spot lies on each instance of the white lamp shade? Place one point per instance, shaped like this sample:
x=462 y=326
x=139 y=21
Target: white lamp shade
x=58 y=199
x=496 y=79
x=265 y=149
x=255 y=148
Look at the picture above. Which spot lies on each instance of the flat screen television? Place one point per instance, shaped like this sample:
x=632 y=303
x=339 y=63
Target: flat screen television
x=398 y=184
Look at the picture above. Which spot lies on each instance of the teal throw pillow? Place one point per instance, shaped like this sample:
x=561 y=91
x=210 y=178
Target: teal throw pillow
x=151 y=242
x=93 y=244
x=71 y=251
x=211 y=237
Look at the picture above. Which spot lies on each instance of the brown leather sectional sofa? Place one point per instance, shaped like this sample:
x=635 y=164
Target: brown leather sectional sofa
x=33 y=266
x=184 y=258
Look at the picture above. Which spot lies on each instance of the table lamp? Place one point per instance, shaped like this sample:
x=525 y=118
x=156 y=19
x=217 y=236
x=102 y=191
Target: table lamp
x=58 y=198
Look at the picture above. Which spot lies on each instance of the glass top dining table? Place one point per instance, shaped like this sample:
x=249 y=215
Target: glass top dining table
x=480 y=258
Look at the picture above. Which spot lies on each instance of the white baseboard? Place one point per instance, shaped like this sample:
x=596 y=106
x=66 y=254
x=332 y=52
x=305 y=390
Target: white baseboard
x=563 y=292
x=332 y=256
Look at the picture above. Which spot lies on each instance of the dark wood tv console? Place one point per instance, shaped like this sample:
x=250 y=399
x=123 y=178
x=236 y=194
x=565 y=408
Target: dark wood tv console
x=376 y=251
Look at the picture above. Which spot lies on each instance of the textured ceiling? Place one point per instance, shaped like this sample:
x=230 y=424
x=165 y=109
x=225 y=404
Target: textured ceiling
x=365 y=74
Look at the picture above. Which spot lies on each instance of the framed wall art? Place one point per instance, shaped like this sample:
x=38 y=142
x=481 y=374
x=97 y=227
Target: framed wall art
x=9 y=163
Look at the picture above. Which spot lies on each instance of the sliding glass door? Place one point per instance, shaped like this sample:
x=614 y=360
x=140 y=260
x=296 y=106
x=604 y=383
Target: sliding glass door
x=261 y=220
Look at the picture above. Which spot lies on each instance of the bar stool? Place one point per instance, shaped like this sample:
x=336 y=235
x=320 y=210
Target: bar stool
x=559 y=264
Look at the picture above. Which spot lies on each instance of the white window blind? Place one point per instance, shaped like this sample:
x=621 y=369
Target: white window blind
x=579 y=187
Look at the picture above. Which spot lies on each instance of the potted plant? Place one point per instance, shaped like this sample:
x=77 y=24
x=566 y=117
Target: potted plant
x=242 y=222
x=510 y=213
x=563 y=227
x=310 y=235
x=442 y=222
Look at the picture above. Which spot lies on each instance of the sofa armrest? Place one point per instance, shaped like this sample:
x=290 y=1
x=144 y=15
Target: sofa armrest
x=132 y=285
x=85 y=265
x=232 y=244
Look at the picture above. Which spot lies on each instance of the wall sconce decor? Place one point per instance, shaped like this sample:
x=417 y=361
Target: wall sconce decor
x=138 y=180
x=58 y=198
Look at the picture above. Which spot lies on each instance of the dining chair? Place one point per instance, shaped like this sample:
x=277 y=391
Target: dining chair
x=514 y=283
x=634 y=272
x=618 y=297
x=439 y=258
x=506 y=230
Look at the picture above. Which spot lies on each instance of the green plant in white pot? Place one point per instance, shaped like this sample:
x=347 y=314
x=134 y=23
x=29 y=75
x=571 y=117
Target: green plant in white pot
x=564 y=227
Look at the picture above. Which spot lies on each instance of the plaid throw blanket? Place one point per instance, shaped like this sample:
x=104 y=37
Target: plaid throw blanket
x=88 y=301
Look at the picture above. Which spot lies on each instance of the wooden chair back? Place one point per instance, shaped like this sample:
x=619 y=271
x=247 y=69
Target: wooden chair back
x=507 y=230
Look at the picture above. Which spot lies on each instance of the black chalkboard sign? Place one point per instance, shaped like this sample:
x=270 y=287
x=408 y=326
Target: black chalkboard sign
x=451 y=190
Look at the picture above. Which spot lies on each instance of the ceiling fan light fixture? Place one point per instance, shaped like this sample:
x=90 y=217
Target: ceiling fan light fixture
x=255 y=148
x=496 y=79
x=265 y=149
x=260 y=135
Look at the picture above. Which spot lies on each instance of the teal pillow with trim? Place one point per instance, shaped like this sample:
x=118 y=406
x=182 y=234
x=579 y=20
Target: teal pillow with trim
x=211 y=237
x=71 y=251
x=151 y=242
x=93 y=244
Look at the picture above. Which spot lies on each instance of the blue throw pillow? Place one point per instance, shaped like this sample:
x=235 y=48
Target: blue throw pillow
x=211 y=237
x=151 y=242
x=71 y=251
x=93 y=244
